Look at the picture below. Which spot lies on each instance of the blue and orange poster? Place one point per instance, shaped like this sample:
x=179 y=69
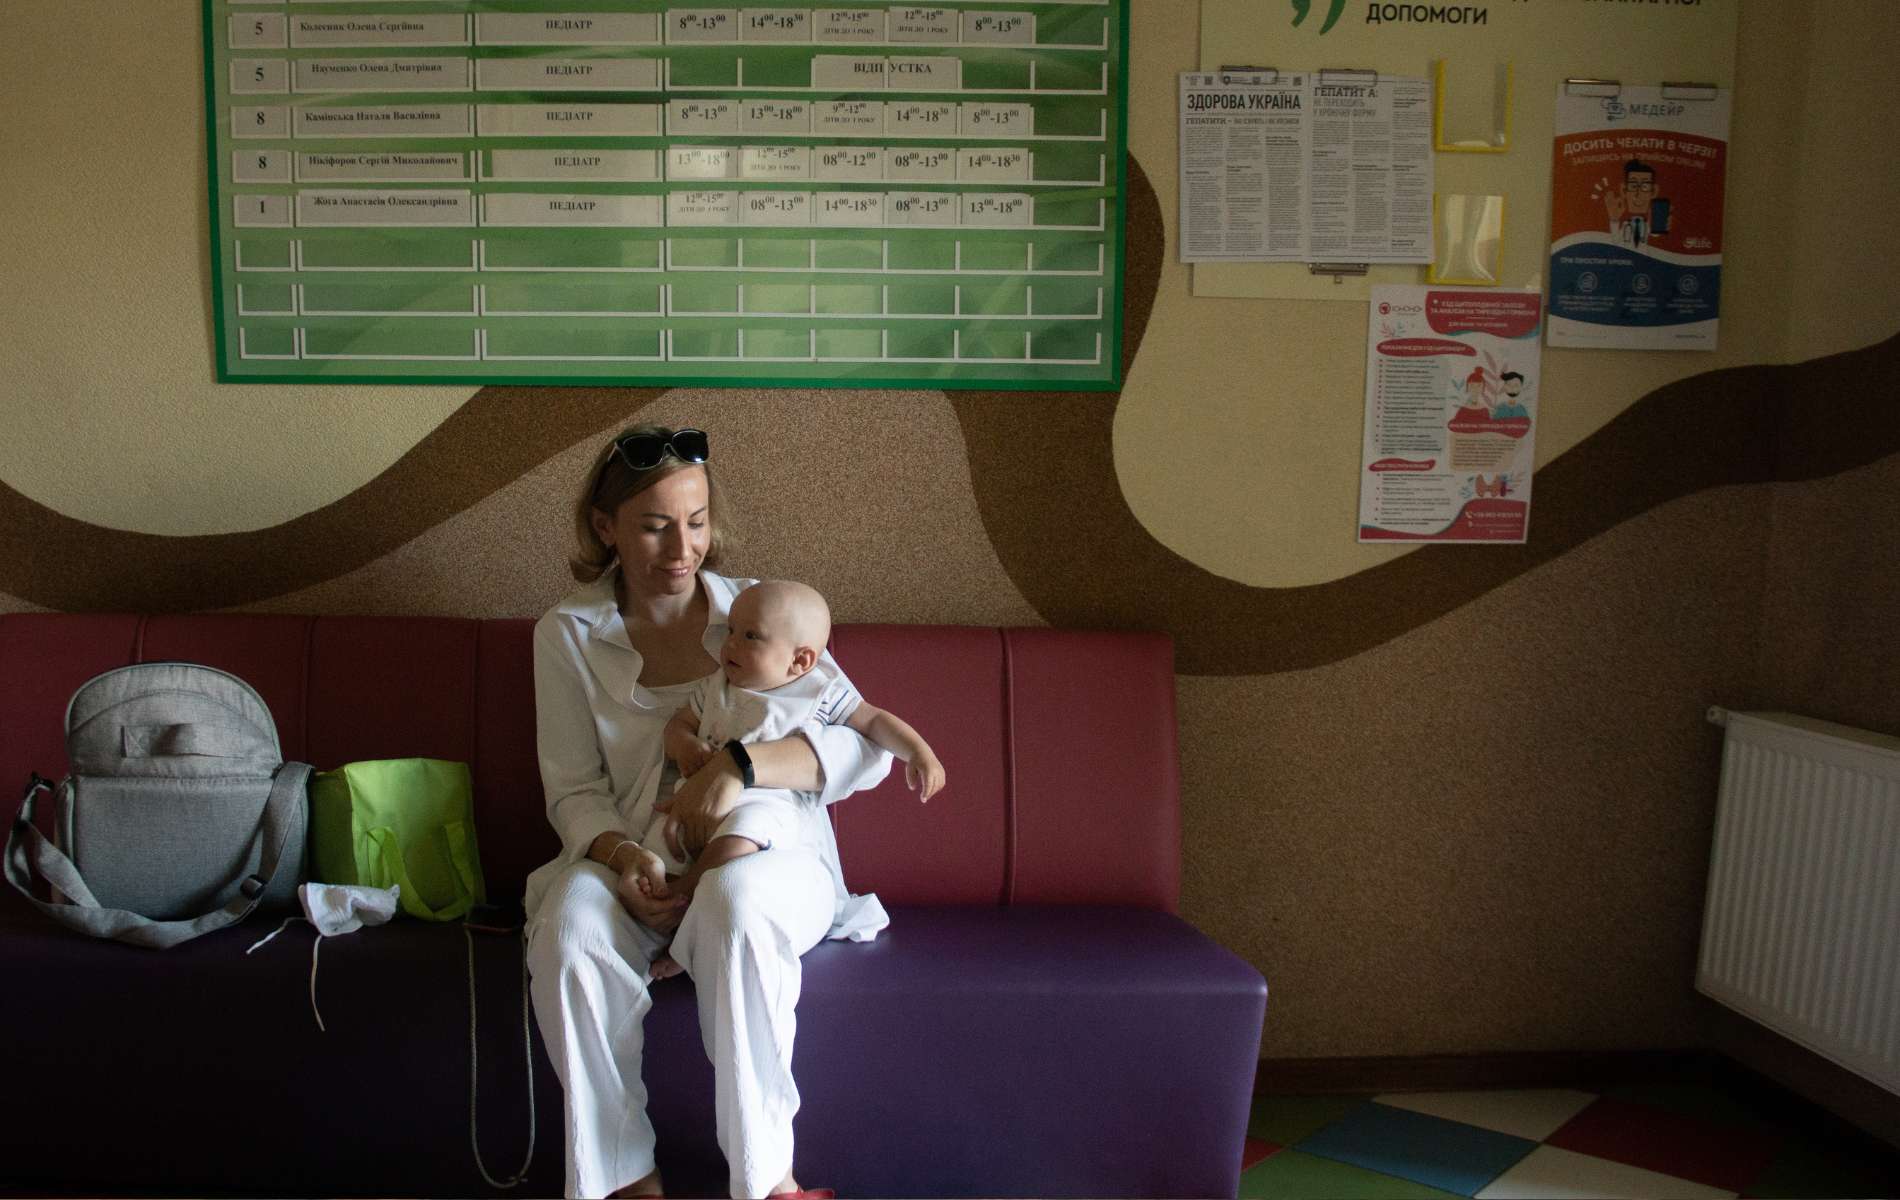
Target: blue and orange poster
x=1636 y=216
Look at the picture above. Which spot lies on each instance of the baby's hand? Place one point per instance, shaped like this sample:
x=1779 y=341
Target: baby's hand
x=692 y=754
x=925 y=775
x=665 y=967
x=683 y=745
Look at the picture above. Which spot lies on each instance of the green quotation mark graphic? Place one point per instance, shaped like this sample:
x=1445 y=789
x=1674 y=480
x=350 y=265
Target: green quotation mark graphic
x=1302 y=7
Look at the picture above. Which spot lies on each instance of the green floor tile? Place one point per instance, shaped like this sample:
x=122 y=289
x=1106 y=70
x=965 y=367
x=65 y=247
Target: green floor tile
x=1805 y=1168
x=1284 y=1120
x=1290 y=1175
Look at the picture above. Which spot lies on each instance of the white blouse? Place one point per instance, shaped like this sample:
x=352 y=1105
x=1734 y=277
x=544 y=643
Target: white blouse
x=599 y=736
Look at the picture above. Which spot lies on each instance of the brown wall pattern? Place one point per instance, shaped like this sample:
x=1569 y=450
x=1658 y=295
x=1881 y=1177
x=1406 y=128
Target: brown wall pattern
x=1043 y=473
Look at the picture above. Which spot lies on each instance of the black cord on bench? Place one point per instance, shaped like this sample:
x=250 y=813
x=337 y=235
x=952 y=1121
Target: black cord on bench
x=527 y=1058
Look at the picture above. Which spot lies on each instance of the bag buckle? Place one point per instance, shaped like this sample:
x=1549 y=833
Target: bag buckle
x=253 y=887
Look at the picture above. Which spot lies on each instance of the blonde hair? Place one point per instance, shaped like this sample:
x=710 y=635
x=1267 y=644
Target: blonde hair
x=610 y=482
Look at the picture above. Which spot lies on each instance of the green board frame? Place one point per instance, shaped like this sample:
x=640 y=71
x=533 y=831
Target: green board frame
x=443 y=257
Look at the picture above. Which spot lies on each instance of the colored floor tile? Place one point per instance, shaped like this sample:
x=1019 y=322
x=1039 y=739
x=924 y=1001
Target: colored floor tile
x=1285 y=1120
x=1440 y=1154
x=1291 y=1175
x=1549 y=1173
x=1726 y=1157
x=1533 y=1114
x=1656 y=1122
x=1254 y=1151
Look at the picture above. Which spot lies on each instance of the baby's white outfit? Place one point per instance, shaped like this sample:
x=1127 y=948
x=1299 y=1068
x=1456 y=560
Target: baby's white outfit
x=766 y=816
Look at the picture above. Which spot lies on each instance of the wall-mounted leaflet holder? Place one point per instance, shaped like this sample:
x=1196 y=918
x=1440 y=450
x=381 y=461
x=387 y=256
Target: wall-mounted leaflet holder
x=1337 y=75
x=1468 y=235
x=1472 y=118
x=1272 y=73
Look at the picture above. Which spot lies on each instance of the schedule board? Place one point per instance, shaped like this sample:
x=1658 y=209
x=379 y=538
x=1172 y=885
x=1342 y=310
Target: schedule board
x=668 y=191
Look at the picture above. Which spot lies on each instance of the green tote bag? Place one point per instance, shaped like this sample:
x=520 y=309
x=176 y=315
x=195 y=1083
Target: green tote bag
x=404 y=821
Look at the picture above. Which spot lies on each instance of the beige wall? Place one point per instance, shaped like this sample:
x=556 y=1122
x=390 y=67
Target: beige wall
x=101 y=312
x=1482 y=829
x=104 y=253
x=1826 y=646
x=1837 y=181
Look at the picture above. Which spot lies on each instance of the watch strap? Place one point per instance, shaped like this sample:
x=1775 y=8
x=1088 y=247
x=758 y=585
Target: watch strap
x=742 y=759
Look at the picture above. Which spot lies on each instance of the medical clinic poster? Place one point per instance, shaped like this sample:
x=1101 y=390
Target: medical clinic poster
x=1636 y=217
x=1452 y=381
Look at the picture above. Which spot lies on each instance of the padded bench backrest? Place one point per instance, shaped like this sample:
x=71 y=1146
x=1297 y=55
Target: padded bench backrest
x=1060 y=745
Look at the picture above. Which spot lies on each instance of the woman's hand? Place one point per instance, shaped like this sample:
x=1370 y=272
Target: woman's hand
x=704 y=800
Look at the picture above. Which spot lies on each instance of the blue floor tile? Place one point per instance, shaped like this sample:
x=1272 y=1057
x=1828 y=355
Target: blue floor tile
x=1442 y=1154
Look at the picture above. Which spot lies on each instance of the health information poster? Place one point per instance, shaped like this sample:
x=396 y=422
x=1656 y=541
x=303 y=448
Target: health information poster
x=1636 y=217
x=1452 y=381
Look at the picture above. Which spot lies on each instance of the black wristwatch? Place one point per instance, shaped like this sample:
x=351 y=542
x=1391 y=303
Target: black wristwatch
x=742 y=759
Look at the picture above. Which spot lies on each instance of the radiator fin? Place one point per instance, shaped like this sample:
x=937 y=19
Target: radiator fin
x=1801 y=931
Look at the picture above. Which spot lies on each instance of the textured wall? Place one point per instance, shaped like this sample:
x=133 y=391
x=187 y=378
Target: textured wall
x=1827 y=645
x=1447 y=799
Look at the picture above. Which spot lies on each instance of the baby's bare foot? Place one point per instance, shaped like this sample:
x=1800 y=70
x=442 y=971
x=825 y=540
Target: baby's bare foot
x=664 y=967
x=627 y=888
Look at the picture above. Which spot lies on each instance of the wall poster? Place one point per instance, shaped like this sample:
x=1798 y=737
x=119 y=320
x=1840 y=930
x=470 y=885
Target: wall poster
x=668 y=191
x=1452 y=381
x=1636 y=216
x=1330 y=167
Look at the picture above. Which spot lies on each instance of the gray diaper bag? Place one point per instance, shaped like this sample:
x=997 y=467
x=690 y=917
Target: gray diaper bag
x=179 y=817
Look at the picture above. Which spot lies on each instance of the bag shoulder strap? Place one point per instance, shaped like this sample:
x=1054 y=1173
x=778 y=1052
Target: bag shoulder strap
x=527 y=1060
x=28 y=851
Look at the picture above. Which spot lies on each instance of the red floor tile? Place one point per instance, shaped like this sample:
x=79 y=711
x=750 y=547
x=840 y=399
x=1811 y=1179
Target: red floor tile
x=1256 y=1151
x=1727 y=1157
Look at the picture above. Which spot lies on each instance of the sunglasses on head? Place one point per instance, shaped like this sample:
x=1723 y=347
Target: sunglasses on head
x=644 y=451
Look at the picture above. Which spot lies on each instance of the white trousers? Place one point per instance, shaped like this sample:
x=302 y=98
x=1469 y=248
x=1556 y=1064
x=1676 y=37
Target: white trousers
x=740 y=941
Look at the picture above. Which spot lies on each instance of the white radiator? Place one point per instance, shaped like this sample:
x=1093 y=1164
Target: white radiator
x=1802 y=927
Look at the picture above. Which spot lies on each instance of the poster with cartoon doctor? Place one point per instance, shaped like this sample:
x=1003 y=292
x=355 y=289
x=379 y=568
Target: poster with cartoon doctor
x=1637 y=176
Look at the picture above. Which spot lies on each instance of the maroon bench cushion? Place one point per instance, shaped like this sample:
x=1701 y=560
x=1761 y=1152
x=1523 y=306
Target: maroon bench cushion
x=1060 y=745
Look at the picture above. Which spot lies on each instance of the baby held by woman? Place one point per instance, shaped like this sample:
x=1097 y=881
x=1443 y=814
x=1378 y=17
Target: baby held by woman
x=770 y=681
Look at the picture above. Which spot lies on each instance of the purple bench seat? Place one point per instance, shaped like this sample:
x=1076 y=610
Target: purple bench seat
x=1036 y=1021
